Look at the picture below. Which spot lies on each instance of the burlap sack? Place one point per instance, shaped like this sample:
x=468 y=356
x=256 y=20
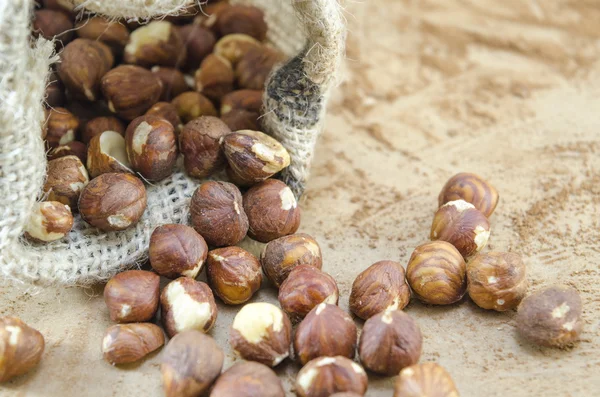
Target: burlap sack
x=310 y=31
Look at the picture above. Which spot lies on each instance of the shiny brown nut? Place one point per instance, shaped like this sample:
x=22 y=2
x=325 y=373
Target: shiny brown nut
x=49 y=221
x=200 y=145
x=191 y=105
x=324 y=376
x=248 y=379
x=83 y=64
x=64 y=6
x=177 y=250
x=261 y=332
x=112 y=33
x=157 y=43
x=66 y=178
x=496 y=280
x=73 y=148
x=199 y=43
x=235 y=46
x=250 y=100
x=551 y=316
x=132 y=296
x=234 y=274
x=382 y=286
x=281 y=256
x=242 y=19
x=173 y=82
x=473 y=189
x=52 y=24
x=427 y=379
x=21 y=348
x=98 y=125
x=187 y=304
x=326 y=330
x=61 y=127
x=168 y=112
x=460 y=224
x=130 y=90
x=210 y=14
x=113 y=201
x=55 y=92
x=128 y=343
x=151 y=147
x=255 y=66
x=390 y=341
x=214 y=78
x=436 y=273
x=190 y=363
x=217 y=213
x=240 y=119
x=107 y=153
x=304 y=288
x=254 y=156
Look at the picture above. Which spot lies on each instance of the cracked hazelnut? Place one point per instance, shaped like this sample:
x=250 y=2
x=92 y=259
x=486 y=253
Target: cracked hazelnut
x=200 y=144
x=234 y=274
x=217 y=213
x=73 y=148
x=113 y=201
x=390 y=341
x=255 y=66
x=52 y=24
x=325 y=376
x=473 y=189
x=214 y=78
x=427 y=379
x=382 y=286
x=21 y=348
x=261 y=332
x=460 y=224
x=191 y=105
x=177 y=250
x=132 y=296
x=238 y=120
x=304 y=288
x=128 y=343
x=61 y=127
x=66 y=178
x=235 y=46
x=173 y=82
x=112 y=33
x=248 y=379
x=107 y=153
x=190 y=363
x=250 y=100
x=157 y=43
x=282 y=255
x=496 y=280
x=55 y=92
x=326 y=330
x=242 y=19
x=187 y=304
x=49 y=221
x=551 y=316
x=168 y=112
x=199 y=43
x=98 y=125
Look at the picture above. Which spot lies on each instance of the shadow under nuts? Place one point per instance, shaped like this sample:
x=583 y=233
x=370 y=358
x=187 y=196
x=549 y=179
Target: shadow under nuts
x=427 y=379
x=128 y=343
x=234 y=274
x=49 y=221
x=132 y=296
x=324 y=376
x=248 y=379
x=66 y=178
x=200 y=144
x=177 y=250
x=471 y=188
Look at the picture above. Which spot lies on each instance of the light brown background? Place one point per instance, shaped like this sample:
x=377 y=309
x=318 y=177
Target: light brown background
x=507 y=89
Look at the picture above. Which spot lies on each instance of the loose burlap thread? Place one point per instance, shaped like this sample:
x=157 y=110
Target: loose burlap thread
x=312 y=32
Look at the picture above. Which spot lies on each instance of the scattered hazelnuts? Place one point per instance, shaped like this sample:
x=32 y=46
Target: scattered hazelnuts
x=177 y=250
x=66 y=178
x=382 y=286
x=390 y=341
x=132 y=296
x=325 y=376
x=200 y=144
x=173 y=82
x=191 y=105
x=261 y=332
x=107 y=152
x=234 y=274
x=112 y=33
x=551 y=316
x=282 y=255
x=248 y=379
x=473 y=189
x=427 y=379
x=497 y=280
x=157 y=43
x=215 y=77
x=199 y=43
x=21 y=348
x=61 y=127
x=49 y=221
x=168 y=112
x=128 y=343
x=98 y=125
x=242 y=19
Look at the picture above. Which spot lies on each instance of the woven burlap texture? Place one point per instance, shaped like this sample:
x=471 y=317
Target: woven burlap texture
x=312 y=32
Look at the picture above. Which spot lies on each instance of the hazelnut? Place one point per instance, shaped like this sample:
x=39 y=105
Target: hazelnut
x=255 y=66
x=55 y=92
x=460 y=224
x=240 y=119
x=325 y=376
x=66 y=178
x=177 y=250
x=52 y=25
x=185 y=15
x=86 y=111
x=382 y=286
x=132 y=296
x=326 y=330
x=187 y=304
x=21 y=348
x=98 y=125
x=73 y=148
x=112 y=33
x=61 y=127
x=234 y=274
x=272 y=211
x=199 y=143
x=168 y=112
x=64 y=6
x=282 y=255
x=83 y=64
x=191 y=105
x=49 y=221
x=471 y=188
x=190 y=363
x=199 y=43
x=113 y=201
x=214 y=78
x=496 y=280
x=151 y=147
x=248 y=379
x=551 y=316
x=248 y=20
x=217 y=213
x=390 y=341
x=210 y=15
x=250 y=100
x=130 y=90
x=261 y=332
x=304 y=288
x=173 y=82
x=107 y=153
x=128 y=343
x=235 y=46
x=254 y=156
x=436 y=272
x=157 y=43
x=427 y=379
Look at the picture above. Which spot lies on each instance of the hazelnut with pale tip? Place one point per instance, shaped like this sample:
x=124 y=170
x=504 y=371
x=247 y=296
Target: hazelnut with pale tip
x=325 y=376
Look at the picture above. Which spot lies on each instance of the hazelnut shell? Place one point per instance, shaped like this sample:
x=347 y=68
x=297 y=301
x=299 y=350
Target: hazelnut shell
x=234 y=274
x=281 y=256
x=132 y=296
x=473 y=189
x=177 y=250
